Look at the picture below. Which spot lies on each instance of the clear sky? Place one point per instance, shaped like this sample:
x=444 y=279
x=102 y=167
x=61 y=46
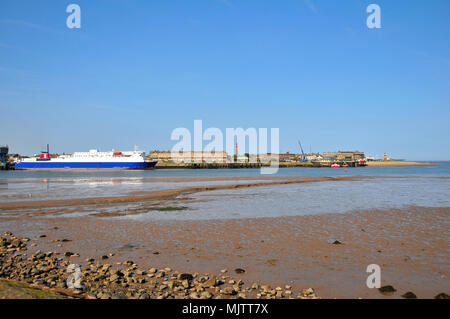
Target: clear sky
x=138 y=69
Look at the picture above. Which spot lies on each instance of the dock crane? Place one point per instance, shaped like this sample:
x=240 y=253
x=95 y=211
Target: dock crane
x=303 y=154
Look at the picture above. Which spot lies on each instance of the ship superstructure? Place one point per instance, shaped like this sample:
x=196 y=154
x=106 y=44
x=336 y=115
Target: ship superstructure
x=94 y=159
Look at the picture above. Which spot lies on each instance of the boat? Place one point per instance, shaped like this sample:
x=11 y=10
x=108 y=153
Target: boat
x=94 y=159
x=335 y=165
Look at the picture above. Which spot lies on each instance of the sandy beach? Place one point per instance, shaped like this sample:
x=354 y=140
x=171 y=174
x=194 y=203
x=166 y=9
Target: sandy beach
x=328 y=252
x=396 y=164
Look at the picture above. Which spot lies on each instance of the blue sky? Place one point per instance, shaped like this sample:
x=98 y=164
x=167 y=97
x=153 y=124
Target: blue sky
x=138 y=69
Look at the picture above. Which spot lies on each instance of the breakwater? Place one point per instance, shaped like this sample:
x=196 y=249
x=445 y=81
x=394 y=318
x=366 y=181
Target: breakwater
x=162 y=165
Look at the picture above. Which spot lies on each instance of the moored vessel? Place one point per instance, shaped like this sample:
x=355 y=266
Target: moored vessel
x=94 y=159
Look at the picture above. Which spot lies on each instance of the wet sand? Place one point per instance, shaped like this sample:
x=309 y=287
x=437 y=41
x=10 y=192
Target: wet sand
x=410 y=245
x=167 y=193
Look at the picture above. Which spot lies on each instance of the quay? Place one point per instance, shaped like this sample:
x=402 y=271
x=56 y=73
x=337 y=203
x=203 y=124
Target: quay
x=207 y=165
x=255 y=165
x=220 y=159
x=340 y=163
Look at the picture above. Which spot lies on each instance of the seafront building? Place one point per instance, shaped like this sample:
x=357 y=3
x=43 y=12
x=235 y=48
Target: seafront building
x=289 y=157
x=222 y=157
x=345 y=155
x=188 y=157
x=314 y=157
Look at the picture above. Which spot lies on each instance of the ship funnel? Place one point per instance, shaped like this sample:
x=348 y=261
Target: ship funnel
x=45 y=154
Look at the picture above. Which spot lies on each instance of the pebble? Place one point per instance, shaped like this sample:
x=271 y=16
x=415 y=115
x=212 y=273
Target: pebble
x=409 y=295
x=308 y=291
x=185 y=276
x=387 y=289
x=211 y=282
x=193 y=295
x=124 y=280
x=206 y=295
x=229 y=291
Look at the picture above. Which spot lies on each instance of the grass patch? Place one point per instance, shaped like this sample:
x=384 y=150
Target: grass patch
x=272 y=262
x=20 y=291
x=168 y=208
x=138 y=211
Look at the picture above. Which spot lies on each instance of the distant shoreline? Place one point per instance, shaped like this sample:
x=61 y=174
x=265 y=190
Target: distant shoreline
x=397 y=164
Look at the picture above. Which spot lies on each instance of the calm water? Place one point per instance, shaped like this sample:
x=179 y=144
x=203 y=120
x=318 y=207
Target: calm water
x=443 y=169
x=394 y=187
x=317 y=198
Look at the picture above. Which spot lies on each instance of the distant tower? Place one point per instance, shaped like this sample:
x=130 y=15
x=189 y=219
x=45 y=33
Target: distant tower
x=236 y=149
x=4 y=153
x=384 y=157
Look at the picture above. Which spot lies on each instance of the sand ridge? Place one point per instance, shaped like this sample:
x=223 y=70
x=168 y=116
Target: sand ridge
x=162 y=194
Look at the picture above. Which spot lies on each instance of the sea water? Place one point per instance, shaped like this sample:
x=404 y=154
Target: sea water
x=392 y=187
